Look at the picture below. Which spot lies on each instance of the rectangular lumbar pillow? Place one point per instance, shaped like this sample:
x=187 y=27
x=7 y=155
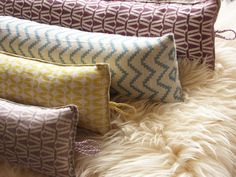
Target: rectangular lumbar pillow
x=38 y=82
x=191 y=21
x=42 y=139
x=142 y=67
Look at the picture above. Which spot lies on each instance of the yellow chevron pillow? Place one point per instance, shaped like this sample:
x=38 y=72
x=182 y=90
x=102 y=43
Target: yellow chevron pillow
x=37 y=82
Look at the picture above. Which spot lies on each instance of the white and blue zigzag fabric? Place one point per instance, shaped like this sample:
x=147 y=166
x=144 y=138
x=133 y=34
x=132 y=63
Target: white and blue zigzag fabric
x=142 y=68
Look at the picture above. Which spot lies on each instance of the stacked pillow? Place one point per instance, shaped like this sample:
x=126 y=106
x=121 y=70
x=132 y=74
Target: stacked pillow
x=74 y=68
x=141 y=68
x=63 y=74
x=37 y=82
x=191 y=21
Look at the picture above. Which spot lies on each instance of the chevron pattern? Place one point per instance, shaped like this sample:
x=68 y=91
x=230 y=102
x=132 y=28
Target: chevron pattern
x=191 y=22
x=140 y=66
x=39 y=83
x=39 y=138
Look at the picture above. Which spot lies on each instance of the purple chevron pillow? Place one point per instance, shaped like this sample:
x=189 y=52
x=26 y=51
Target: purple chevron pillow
x=191 y=21
x=41 y=139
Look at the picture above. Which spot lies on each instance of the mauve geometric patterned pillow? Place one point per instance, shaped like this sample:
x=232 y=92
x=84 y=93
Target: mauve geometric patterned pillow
x=163 y=1
x=192 y=22
x=41 y=139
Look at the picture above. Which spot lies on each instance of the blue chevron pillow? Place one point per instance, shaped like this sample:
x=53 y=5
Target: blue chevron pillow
x=143 y=68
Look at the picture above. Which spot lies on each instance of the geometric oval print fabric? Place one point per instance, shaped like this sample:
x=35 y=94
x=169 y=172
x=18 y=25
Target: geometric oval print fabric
x=41 y=139
x=35 y=82
x=165 y=1
x=141 y=67
x=192 y=22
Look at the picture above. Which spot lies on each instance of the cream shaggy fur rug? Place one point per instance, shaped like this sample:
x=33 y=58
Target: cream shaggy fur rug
x=196 y=138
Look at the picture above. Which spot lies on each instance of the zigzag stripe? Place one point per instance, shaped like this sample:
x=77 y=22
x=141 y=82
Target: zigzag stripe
x=177 y=94
x=90 y=49
x=54 y=48
x=149 y=68
x=68 y=46
x=32 y=45
x=165 y=67
x=108 y=56
x=138 y=73
x=8 y=29
x=43 y=47
x=124 y=73
x=130 y=18
x=99 y=52
x=77 y=49
x=3 y=38
x=140 y=67
x=14 y=38
x=27 y=38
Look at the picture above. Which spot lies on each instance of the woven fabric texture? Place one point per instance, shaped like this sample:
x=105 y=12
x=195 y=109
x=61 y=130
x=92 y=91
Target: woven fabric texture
x=141 y=68
x=39 y=83
x=191 y=22
x=41 y=139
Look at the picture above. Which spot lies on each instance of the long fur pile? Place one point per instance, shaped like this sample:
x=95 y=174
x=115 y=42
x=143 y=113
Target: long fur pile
x=196 y=138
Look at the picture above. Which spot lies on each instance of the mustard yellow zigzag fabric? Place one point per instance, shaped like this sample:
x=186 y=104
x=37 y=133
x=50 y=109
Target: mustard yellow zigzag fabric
x=41 y=83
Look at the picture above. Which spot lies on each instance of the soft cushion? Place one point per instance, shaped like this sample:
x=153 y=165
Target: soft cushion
x=142 y=68
x=192 y=22
x=37 y=82
x=41 y=139
x=164 y=1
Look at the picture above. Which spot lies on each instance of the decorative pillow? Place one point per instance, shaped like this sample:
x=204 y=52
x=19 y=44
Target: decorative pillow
x=143 y=68
x=36 y=82
x=42 y=139
x=164 y=1
x=192 y=22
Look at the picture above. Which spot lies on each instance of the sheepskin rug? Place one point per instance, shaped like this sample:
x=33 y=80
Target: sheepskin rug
x=196 y=138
